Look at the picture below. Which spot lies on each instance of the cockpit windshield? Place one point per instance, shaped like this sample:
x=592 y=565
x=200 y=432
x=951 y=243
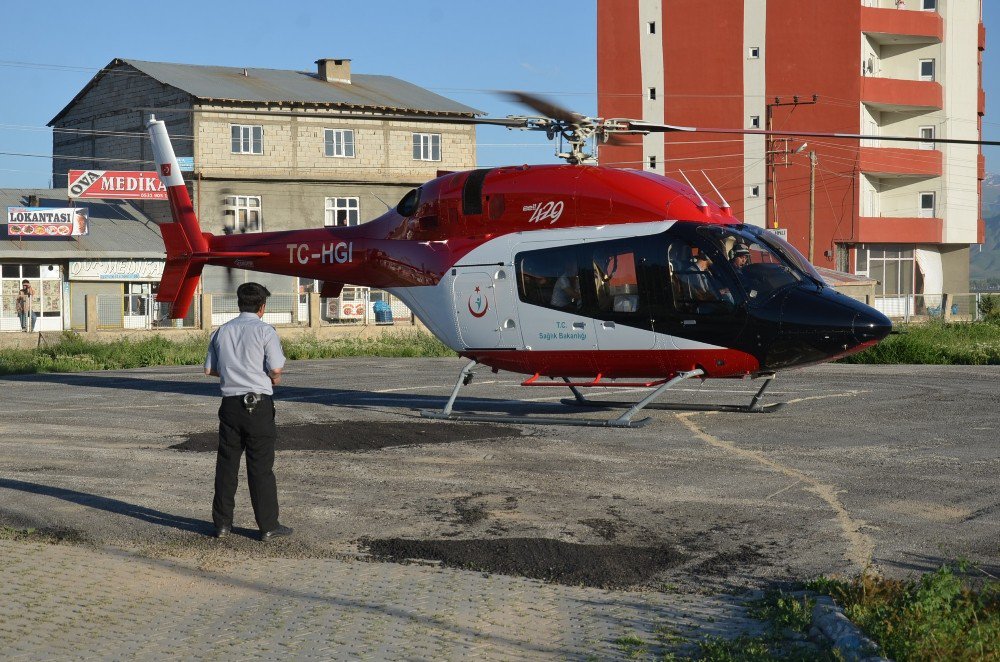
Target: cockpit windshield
x=784 y=248
x=762 y=262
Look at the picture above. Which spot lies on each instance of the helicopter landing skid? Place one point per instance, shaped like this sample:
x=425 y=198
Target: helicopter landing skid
x=623 y=421
x=753 y=408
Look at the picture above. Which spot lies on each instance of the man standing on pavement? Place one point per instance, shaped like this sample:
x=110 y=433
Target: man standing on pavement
x=245 y=354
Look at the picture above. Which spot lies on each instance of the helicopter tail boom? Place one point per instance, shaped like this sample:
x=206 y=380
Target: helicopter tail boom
x=188 y=248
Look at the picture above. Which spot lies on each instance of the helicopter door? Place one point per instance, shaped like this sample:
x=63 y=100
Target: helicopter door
x=620 y=309
x=476 y=310
x=702 y=302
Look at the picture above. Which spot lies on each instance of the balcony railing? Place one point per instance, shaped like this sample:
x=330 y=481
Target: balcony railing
x=889 y=230
x=893 y=94
x=892 y=26
x=900 y=162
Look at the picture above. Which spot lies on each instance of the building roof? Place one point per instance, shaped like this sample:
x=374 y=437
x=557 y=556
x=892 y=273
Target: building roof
x=237 y=84
x=117 y=230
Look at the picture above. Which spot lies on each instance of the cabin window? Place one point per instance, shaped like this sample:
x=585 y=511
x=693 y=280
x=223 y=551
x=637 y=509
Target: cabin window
x=755 y=121
x=753 y=53
x=651 y=27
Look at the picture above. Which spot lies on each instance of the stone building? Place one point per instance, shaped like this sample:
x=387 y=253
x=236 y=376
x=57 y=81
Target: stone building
x=267 y=149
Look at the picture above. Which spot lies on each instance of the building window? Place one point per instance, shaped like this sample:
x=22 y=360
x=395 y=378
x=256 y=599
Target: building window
x=892 y=266
x=927 y=137
x=426 y=146
x=339 y=142
x=247 y=139
x=928 y=5
x=651 y=93
x=753 y=53
x=927 y=69
x=46 y=281
x=651 y=27
x=927 y=205
x=342 y=212
x=755 y=121
x=755 y=191
x=652 y=163
x=242 y=214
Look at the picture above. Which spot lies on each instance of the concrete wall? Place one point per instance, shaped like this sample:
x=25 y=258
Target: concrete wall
x=110 y=105
x=293 y=149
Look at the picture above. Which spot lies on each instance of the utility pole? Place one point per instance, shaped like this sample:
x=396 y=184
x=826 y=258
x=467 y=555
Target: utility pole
x=770 y=186
x=812 y=206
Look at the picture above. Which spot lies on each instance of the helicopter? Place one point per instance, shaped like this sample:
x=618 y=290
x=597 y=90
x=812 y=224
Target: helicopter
x=575 y=275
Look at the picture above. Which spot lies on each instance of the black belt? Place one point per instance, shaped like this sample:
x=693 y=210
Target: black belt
x=260 y=396
x=250 y=400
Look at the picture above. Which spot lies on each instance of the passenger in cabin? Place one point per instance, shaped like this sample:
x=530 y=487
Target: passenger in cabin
x=566 y=293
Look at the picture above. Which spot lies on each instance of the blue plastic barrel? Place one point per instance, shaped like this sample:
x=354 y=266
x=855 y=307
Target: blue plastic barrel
x=383 y=312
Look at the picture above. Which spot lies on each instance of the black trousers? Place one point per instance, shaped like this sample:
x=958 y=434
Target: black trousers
x=239 y=431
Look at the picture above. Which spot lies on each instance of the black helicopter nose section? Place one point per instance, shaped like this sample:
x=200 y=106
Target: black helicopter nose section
x=807 y=324
x=871 y=326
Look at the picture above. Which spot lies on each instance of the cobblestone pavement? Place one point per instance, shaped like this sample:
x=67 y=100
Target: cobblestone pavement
x=73 y=601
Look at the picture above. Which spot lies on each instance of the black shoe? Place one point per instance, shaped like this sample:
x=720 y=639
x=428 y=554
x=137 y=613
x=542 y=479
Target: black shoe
x=279 y=530
x=223 y=531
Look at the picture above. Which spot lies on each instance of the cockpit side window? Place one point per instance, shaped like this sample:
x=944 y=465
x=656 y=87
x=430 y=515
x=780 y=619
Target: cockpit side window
x=695 y=281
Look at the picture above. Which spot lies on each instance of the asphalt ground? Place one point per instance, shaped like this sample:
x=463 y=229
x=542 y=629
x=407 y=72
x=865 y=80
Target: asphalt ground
x=894 y=467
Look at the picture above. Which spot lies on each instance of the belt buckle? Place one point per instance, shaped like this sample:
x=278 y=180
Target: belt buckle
x=250 y=401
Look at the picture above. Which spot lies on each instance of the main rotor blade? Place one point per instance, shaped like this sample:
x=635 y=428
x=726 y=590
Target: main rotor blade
x=544 y=106
x=668 y=128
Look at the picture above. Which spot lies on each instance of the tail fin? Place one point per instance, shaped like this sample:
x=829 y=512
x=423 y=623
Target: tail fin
x=187 y=247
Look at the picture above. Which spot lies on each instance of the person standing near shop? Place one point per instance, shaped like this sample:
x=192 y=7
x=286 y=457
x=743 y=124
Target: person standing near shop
x=245 y=354
x=25 y=306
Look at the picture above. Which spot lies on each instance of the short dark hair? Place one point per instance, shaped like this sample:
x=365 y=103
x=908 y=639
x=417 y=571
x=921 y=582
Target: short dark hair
x=25 y=281
x=251 y=296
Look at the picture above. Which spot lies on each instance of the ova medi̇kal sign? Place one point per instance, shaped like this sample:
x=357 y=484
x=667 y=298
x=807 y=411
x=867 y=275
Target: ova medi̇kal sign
x=116 y=185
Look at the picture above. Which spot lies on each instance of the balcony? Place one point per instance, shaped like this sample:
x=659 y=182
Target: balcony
x=898 y=26
x=895 y=95
x=894 y=230
x=887 y=162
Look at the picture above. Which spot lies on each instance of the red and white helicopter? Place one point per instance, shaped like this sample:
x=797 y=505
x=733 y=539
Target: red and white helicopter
x=575 y=275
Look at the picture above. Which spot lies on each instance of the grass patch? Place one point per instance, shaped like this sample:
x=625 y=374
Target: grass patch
x=632 y=646
x=74 y=354
x=938 y=617
x=784 y=611
x=937 y=343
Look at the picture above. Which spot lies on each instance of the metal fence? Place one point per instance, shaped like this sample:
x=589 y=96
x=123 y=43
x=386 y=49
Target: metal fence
x=921 y=307
x=142 y=311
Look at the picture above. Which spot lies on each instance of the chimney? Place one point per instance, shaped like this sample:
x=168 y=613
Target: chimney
x=334 y=71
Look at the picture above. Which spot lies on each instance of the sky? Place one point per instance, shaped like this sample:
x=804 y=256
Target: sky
x=466 y=50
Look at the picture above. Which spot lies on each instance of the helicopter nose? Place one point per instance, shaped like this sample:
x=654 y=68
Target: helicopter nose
x=871 y=325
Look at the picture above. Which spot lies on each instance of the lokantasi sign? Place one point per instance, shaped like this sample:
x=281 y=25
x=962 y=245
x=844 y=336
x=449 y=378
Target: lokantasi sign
x=37 y=222
x=116 y=185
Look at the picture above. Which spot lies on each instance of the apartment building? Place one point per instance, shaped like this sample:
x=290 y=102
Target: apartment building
x=904 y=214
x=267 y=149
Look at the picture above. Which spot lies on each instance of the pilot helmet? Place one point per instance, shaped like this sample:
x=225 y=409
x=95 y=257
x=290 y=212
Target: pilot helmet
x=738 y=250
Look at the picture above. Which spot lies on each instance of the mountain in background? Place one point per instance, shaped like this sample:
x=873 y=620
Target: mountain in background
x=984 y=262
x=991 y=195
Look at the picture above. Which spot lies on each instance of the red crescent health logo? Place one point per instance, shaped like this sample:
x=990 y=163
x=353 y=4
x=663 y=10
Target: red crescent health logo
x=165 y=169
x=480 y=301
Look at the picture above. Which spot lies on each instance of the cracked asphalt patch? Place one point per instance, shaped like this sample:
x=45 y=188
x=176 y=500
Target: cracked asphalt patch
x=355 y=436
x=600 y=566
